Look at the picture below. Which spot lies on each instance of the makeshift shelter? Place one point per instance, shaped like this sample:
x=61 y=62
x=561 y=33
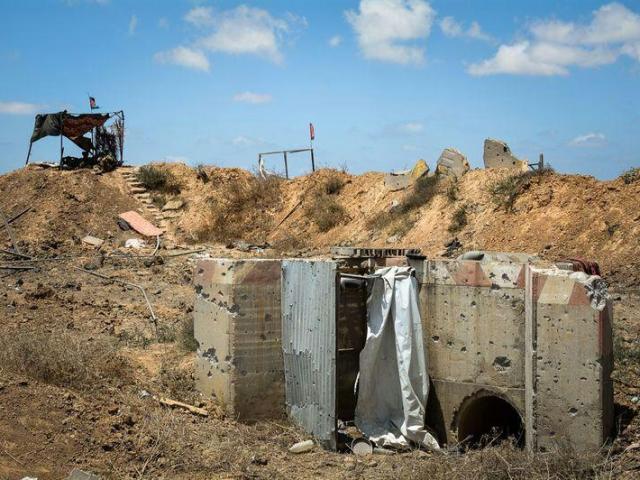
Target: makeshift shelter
x=75 y=126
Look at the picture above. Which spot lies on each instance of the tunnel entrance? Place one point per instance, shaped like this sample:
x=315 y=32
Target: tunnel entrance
x=488 y=419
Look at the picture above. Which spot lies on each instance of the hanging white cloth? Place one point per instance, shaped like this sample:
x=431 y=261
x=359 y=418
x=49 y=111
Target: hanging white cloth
x=393 y=381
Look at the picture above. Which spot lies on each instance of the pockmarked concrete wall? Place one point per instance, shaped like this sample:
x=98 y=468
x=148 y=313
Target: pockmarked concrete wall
x=569 y=360
x=473 y=327
x=237 y=323
x=536 y=338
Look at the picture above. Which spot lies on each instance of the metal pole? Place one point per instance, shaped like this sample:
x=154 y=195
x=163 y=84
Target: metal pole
x=313 y=161
x=61 y=147
x=541 y=163
x=29 y=153
x=286 y=167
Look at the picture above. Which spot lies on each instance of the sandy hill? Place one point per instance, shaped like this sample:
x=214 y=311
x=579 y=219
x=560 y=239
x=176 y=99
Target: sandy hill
x=554 y=215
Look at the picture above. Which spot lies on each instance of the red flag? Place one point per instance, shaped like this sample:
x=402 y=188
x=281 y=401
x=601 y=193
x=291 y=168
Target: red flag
x=312 y=132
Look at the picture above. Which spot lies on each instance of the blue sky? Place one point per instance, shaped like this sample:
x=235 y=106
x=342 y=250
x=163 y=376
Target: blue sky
x=385 y=82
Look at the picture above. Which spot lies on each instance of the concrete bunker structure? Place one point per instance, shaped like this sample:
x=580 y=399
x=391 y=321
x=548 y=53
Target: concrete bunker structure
x=513 y=344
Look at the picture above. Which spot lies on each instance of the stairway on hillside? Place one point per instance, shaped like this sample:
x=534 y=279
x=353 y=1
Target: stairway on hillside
x=160 y=219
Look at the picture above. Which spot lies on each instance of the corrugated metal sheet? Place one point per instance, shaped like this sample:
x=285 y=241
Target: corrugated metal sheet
x=309 y=345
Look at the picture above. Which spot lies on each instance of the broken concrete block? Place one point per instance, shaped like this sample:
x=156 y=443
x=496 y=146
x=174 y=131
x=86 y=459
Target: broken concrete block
x=93 y=241
x=173 y=205
x=401 y=180
x=452 y=162
x=497 y=154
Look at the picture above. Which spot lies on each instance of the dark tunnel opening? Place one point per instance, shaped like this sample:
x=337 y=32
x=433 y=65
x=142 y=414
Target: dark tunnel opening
x=489 y=420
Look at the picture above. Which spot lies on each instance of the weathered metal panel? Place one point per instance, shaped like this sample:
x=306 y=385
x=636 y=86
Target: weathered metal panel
x=309 y=345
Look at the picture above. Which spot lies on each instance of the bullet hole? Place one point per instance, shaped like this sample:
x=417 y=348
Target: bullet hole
x=501 y=363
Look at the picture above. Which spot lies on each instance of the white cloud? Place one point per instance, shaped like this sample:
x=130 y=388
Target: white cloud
x=553 y=46
x=133 y=24
x=589 y=140
x=392 y=30
x=20 y=108
x=242 y=141
x=245 y=30
x=411 y=127
x=185 y=57
x=450 y=27
x=251 y=97
x=335 y=41
x=200 y=16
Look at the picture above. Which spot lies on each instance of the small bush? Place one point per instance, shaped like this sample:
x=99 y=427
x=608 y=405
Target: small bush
x=459 y=219
x=630 y=176
x=61 y=359
x=177 y=383
x=452 y=191
x=157 y=179
x=424 y=189
x=504 y=192
x=201 y=174
x=325 y=211
x=333 y=185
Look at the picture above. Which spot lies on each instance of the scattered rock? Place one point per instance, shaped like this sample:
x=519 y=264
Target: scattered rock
x=452 y=163
x=81 y=475
x=135 y=243
x=173 y=205
x=93 y=241
x=302 y=447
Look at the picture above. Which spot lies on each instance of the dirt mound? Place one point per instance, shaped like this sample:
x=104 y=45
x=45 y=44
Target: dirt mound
x=65 y=206
x=555 y=216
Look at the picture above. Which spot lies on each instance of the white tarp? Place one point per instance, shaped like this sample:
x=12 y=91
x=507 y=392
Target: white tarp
x=393 y=380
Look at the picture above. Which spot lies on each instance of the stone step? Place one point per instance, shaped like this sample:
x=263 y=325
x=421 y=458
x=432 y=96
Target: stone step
x=143 y=196
x=135 y=190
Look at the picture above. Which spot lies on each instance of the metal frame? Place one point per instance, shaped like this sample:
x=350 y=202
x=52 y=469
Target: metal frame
x=285 y=153
x=119 y=114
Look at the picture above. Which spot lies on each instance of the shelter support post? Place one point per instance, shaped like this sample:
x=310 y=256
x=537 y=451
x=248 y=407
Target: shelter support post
x=29 y=153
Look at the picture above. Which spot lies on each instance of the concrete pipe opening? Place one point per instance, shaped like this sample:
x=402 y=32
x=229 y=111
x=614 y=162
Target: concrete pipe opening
x=489 y=419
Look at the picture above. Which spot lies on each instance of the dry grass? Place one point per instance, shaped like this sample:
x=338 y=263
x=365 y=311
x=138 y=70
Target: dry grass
x=424 y=189
x=158 y=179
x=323 y=207
x=459 y=219
x=62 y=359
x=177 y=383
x=244 y=212
x=507 y=462
x=505 y=192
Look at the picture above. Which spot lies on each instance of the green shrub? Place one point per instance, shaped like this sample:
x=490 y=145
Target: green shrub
x=630 y=176
x=158 y=179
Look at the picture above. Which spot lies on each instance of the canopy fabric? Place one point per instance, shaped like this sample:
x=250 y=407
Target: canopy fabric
x=63 y=123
